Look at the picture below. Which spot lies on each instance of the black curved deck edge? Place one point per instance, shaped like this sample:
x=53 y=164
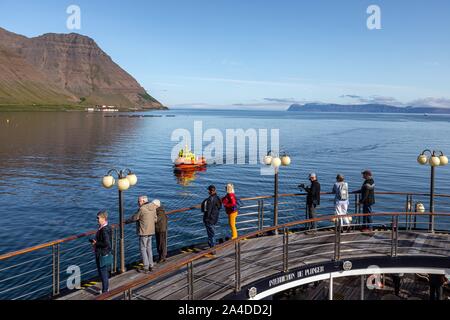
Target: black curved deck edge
x=325 y=267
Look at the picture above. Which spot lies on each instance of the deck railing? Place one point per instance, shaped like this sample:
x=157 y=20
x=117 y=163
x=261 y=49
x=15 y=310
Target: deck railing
x=44 y=270
x=283 y=254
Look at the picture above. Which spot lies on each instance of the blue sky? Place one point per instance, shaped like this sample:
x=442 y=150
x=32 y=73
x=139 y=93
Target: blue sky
x=263 y=53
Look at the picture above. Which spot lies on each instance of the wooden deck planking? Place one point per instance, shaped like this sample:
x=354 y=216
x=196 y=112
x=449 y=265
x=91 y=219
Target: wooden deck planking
x=262 y=256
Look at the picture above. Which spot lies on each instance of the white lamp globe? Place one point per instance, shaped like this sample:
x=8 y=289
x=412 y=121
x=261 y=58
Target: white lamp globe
x=276 y=162
x=123 y=184
x=443 y=160
x=420 y=207
x=422 y=159
x=285 y=160
x=435 y=161
x=108 y=181
x=132 y=178
x=268 y=160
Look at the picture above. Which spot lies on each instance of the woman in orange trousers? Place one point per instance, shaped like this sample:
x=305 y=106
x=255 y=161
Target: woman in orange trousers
x=230 y=204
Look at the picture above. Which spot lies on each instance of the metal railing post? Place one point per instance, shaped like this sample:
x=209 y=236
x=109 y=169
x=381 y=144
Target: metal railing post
x=262 y=214
x=394 y=236
x=190 y=280
x=114 y=249
x=56 y=269
x=337 y=240
x=407 y=210
x=237 y=266
x=259 y=215
x=285 y=250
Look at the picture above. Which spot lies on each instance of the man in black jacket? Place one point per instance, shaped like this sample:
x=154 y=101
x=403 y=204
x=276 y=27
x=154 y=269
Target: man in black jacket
x=367 y=199
x=312 y=198
x=210 y=208
x=102 y=247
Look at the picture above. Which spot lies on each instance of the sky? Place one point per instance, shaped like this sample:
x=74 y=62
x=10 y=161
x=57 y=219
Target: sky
x=263 y=53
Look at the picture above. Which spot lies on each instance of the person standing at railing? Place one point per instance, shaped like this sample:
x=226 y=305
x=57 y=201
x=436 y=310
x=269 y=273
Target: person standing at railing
x=145 y=219
x=367 y=199
x=211 y=207
x=340 y=190
x=161 y=232
x=230 y=204
x=312 y=198
x=436 y=281
x=102 y=248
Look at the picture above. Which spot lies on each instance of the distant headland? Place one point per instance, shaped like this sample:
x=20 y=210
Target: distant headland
x=369 y=108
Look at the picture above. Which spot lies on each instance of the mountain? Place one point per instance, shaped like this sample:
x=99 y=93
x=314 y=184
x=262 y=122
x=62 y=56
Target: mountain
x=371 y=108
x=65 y=69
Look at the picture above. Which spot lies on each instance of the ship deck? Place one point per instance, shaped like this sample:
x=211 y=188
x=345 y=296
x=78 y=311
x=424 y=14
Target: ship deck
x=260 y=258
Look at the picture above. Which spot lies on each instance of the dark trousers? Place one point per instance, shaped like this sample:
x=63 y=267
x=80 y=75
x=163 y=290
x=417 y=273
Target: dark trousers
x=397 y=283
x=367 y=220
x=311 y=210
x=103 y=273
x=435 y=292
x=161 y=245
x=211 y=231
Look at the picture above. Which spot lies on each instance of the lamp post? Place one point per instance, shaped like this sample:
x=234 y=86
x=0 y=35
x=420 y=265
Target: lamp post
x=431 y=158
x=126 y=179
x=274 y=160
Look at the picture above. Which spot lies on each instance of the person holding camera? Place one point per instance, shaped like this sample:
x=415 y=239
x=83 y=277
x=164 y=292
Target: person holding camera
x=312 y=198
x=102 y=248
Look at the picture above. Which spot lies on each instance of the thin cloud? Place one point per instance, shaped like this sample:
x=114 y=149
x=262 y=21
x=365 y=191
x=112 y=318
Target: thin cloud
x=374 y=99
x=431 y=102
x=284 y=100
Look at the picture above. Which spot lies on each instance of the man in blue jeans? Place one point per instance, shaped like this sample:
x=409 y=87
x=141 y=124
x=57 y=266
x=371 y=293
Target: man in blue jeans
x=145 y=219
x=367 y=199
x=210 y=208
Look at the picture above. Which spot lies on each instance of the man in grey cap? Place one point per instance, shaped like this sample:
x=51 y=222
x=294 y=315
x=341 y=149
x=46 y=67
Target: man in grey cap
x=312 y=198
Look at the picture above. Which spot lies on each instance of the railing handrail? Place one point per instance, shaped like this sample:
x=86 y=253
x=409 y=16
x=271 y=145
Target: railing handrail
x=185 y=261
x=92 y=232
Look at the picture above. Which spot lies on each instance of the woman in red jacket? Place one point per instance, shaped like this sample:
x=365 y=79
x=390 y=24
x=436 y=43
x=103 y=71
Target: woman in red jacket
x=230 y=204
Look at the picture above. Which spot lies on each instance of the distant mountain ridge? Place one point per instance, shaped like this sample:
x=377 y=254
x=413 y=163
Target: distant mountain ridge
x=66 y=69
x=370 y=108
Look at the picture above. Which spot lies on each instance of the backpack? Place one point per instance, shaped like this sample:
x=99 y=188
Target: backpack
x=204 y=206
x=342 y=192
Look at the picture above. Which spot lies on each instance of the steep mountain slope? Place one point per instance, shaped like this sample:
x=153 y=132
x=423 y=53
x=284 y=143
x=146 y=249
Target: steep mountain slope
x=64 y=69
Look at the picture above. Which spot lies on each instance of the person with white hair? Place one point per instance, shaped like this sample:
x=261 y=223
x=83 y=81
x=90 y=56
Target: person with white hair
x=230 y=204
x=312 y=198
x=145 y=219
x=161 y=231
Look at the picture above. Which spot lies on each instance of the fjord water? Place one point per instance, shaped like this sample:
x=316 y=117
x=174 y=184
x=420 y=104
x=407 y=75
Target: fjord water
x=51 y=164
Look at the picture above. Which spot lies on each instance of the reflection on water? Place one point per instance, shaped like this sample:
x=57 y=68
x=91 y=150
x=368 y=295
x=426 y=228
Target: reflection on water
x=186 y=176
x=51 y=164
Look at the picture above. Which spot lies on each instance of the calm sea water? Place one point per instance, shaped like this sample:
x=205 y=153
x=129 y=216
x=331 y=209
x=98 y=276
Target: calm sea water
x=51 y=164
